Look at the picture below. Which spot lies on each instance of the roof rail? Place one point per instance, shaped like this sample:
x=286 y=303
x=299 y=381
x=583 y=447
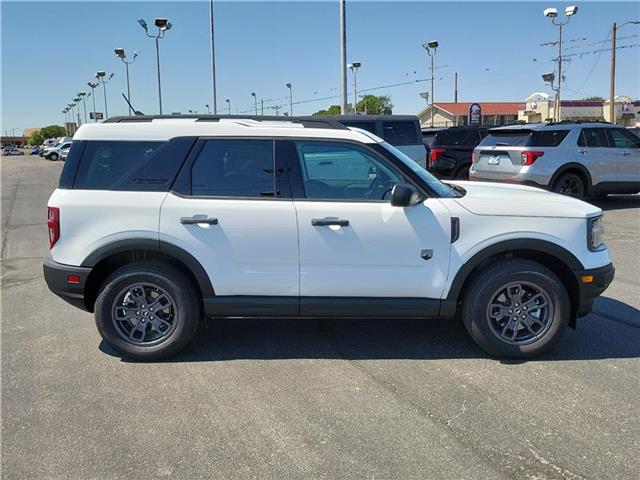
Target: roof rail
x=307 y=122
x=569 y=122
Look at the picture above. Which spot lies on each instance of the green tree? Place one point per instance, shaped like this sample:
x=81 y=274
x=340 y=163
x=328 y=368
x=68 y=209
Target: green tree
x=594 y=98
x=375 y=105
x=332 y=110
x=44 y=133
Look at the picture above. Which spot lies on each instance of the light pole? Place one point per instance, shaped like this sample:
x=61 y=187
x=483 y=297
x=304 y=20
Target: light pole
x=64 y=111
x=255 y=102
x=93 y=86
x=549 y=78
x=84 y=104
x=431 y=48
x=163 y=25
x=276 y=108
x=354 y=69
x=228 y=105
x=612 y=86
x=213 y=60
x=122 y=56
x=102 y=77
x=208 y=108
x=290 y=99
x=73 y=115
x=343 y=58
x=425 y=96
x=552 y=13
x=77 y=102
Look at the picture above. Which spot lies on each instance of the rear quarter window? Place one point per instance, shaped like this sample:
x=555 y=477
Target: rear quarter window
x=401 y=133
x=125 y=165
x=547 y=138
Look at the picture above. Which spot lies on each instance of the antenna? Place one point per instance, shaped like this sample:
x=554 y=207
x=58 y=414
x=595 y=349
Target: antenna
x=136 y=112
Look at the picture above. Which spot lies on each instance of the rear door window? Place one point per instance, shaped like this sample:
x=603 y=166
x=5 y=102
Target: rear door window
x=400 y=133
x=368 y=126
x=594 y=138
x=234 y=168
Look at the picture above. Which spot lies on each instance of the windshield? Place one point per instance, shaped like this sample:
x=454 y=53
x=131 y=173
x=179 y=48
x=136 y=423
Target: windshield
x=436 y=185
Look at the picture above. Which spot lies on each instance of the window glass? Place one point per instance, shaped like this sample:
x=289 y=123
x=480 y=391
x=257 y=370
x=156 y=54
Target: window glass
x=507 y=138
x=114 y=165
x=623 y=139
x=400 y=133
x=457 y=138
x=593 y=137
x=338 y=171
x=234 y=168
x=547 y=138
x=368 y=126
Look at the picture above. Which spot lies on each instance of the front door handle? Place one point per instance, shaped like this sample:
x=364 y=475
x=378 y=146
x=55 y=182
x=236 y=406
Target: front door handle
x=197 y=219
x=626 y=154
x=582 y=150
x=326 y=222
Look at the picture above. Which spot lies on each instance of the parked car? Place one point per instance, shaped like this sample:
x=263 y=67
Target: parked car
x=12 y=151
x=160 y=221
x=55 y=152
x=64 y=151
x=401 y=131
x=634 y=130
x=576 y=159
x=429 y=135
x=35 y=151
x=450 y=153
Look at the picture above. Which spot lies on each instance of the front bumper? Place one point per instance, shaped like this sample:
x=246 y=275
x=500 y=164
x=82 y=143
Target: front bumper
x=57 y=277
x=592 y=283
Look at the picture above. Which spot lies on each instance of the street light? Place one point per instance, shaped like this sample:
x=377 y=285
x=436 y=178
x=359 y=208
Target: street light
x=425 y=96
x=103 y=78
x=64 y=111
x=612 y=85
x=93 y=86
x=276 y=108
x=228 y=105
x=77 y=100
x=549 y=79
x=354 y=69
x=255 y=101
x=552 y=13
x=120 y=53
x=290 y=99
x=73 y=115
x=163 y=25
x=208 y=108
x=431 y=48
x=83 y=95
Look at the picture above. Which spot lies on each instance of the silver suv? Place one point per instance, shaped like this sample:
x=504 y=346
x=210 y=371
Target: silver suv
x=588 y=159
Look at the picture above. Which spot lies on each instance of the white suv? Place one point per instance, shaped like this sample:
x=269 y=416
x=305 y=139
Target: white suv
x=160 y=221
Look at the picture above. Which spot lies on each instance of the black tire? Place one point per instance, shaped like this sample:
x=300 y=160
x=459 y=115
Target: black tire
x=53 y=157
x=485 y=330
x=185 y=308
x=570 y=184
x=462 y=173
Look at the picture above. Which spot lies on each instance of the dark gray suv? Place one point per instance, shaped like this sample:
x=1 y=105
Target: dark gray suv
x=577 y=159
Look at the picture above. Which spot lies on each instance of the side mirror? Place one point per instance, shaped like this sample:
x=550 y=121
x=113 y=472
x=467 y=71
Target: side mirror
x=403 y=195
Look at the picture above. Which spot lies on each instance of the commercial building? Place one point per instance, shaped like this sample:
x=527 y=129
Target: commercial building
x=450 y=114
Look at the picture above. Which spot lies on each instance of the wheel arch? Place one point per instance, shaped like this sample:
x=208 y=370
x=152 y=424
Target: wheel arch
x=573 y=166
x=108 y=258
x=554 y=257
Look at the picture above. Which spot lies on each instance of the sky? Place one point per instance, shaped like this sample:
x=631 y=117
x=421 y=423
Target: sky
x=50 y=50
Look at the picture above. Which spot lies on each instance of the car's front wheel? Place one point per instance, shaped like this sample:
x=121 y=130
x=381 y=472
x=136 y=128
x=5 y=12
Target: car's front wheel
x=53 y=156
x=147 y=311
x=515 y=308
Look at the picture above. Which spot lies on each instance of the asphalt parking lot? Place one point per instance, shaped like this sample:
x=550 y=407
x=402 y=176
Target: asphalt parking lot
x=309 y=399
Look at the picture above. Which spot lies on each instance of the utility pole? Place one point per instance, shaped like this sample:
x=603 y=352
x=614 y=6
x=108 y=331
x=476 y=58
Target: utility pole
x=455 y=89
x=343 y=58
x=213 y=61
x=612 y=86
x=262 y=107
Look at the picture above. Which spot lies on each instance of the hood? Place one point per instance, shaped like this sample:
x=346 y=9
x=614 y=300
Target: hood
x=504 y=199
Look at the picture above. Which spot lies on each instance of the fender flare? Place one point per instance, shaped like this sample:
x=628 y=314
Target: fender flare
x=572 y=166
x=543 y=246
x=181 y=255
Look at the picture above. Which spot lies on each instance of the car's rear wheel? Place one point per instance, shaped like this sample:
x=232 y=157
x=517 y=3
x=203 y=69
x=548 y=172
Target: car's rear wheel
x=147 y=311
x=570 y=184
x=516 y=308
x=53 y=156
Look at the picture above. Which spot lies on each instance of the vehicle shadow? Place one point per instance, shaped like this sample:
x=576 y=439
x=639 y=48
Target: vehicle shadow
x=597 y=337
x=616 y=202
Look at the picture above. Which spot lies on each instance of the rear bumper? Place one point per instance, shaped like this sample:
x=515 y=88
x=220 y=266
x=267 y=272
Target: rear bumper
x=592 y=283
x=516 y=181
x=57 y=277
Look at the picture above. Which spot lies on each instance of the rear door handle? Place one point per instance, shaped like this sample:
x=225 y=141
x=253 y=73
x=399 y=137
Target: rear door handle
x=626 y=154
x=326 y=222
x=196 y=220
x=582 y=150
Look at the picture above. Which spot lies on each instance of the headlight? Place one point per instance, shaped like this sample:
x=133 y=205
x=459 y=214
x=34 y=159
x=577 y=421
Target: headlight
x=595 y=233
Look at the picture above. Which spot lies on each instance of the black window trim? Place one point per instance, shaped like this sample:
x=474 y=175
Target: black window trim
x=182 y=185
x=297 y=183
x=581 y=136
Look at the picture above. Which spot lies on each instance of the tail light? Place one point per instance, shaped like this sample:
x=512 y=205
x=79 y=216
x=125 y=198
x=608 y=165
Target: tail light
x=436 y=153
x=474 y=156
x=53 y=223
x=528 y=157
